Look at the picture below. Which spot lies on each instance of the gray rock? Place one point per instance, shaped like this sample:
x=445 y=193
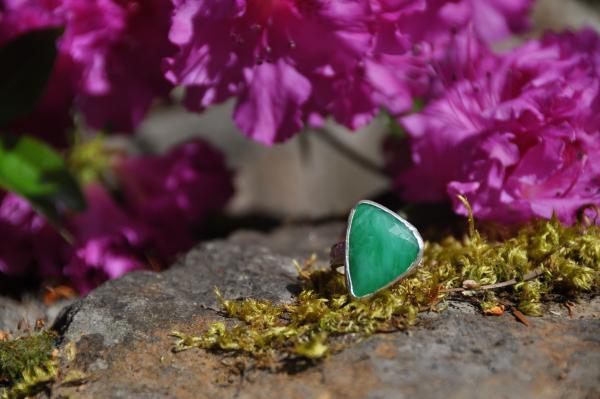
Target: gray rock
x=121 y=335
x=26 y=312
x=139 y=303
x=13 y=312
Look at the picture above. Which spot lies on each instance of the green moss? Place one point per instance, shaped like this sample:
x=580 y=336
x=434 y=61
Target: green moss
x=90 y=160
x=323 y=319
x=27 y=364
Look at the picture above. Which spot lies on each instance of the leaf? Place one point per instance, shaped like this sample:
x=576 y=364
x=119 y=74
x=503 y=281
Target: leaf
x=36 y=172
x=25 y=67
x=497 y=310
x=60 y=292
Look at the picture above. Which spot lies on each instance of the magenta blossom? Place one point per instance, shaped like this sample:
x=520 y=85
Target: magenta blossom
x=175 y=192
x=518 y=135
x=415 y=50
x=490 y=20
x=103 y=258
x=22 y=16
x=108 y=242
x=118 y=47
x=109 y=58
x=29 y=244
x=165 y=200
x=290 y=63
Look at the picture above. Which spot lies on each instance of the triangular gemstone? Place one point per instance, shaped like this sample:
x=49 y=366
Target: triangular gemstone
x=381 y=247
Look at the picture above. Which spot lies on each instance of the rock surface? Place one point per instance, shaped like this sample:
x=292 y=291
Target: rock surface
x=25 y=312
x=120 y=333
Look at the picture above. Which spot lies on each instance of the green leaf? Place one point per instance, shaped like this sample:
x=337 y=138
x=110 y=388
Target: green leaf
x=36 y=172
x=25 y=67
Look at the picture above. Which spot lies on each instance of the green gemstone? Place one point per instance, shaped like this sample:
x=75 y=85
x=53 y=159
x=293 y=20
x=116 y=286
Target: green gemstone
x=381 y=247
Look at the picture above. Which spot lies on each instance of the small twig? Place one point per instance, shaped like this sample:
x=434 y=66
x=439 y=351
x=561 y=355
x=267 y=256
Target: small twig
x=472 y=230
x=350 y=153
x=529 y=276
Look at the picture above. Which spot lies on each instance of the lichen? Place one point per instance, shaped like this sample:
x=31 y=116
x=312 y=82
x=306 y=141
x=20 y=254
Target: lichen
x=27 y=364
x=322 y=319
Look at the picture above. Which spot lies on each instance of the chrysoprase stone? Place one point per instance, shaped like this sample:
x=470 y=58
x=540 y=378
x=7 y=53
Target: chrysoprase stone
x=380 y=248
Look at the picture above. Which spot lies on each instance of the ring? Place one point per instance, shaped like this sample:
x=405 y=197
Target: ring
x=380 y=249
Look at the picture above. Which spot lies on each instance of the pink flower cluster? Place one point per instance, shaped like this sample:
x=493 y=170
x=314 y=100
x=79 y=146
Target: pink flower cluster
x=166 y=198
x=292 y=63
x=518 y=133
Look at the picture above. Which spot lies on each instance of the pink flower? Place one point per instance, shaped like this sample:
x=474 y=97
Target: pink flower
x=22 y=16
x=495 y=20
x=289 y=62
x=293 y=63
x=416 y=48
x=491 y=20
x=108 y=243
x=118 y=47
x=518 y=135
x=103 y=258
x=29 y=245
x=175 y=192
x=109 y=61
x=166 y=199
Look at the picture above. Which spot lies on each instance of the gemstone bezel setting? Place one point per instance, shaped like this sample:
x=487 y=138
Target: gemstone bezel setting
x=416 y=262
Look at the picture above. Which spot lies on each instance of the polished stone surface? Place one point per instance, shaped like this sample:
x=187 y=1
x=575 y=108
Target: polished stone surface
x=380 y=248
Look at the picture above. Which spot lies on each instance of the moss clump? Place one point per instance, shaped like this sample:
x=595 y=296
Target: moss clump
x=323 y=319
x=27 y=364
